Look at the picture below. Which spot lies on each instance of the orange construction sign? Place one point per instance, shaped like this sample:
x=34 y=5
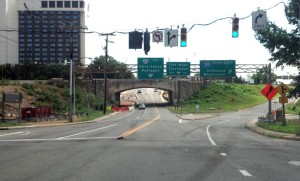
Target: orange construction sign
x=282 y=89
x=269 y=91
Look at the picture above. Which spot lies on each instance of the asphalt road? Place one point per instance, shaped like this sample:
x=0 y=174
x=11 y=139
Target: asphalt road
x=151 y=144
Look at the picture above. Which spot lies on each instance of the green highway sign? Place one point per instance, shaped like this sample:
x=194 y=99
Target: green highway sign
x=178 y=68
x=217 y=68
x=150 y=68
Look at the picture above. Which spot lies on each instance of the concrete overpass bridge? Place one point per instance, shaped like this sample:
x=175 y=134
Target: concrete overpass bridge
x=179 y=89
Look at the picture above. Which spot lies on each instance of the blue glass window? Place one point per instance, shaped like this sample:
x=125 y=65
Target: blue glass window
x=74 y=4
x=51 y=4
x=44 y=4
x=67 y=4
x=59 y=4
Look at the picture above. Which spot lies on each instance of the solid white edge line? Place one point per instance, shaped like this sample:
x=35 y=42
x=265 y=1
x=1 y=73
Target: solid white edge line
x=55 y=139
x=209 y=137
x=87 y=131
x=208 y=134
x=245 y=173
x=8 y=134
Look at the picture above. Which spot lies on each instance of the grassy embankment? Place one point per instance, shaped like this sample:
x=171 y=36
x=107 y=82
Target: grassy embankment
x=217 y=98
x=222 y=98
x=293 y=125
x=45 y=94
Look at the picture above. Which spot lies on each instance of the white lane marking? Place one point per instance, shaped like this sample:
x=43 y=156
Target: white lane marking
x=245 y=173
x=182 y=121
x=21 y=132
x=208 y=134
x=55 y=139
x=26 y=133
x=223 y=154
x=118 y=117
x=87 y=131
x=297 y=163
x=209 y=137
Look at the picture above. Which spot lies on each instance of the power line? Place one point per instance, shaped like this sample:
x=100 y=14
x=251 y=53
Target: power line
x=204 y=24
x=9 y=39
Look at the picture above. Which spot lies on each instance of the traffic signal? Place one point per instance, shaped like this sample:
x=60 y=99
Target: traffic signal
x=146 y=42
x=183 y=42
x=135 y=40
x=235 y=27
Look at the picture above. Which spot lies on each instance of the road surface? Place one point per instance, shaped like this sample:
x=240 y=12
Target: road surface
x=149 y=145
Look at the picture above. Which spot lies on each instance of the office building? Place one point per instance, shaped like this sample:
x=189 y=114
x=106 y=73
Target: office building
x=42 y=31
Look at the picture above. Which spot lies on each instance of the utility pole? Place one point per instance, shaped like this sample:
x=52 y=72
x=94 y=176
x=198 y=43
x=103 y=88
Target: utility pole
x=105 y=70
x=72 y=72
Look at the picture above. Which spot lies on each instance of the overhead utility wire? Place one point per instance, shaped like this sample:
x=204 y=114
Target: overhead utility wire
x=119 y=32
x=220 y=19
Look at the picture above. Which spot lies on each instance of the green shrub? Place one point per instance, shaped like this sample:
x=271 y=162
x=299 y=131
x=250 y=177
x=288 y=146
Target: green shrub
x=4 y=82
x=29 y=87
x=297 y=130
x=59 y=105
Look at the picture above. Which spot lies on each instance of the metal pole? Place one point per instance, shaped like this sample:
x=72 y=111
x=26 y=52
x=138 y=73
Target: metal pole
x=270 y=101
x=105 y=76
x=3 y=104
x=71 y=91
x=283 y=109
x=71 y=78
x=178 y=92
x=74 y=90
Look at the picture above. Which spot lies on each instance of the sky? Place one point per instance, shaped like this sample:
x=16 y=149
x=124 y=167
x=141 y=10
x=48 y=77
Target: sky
x=211 y=42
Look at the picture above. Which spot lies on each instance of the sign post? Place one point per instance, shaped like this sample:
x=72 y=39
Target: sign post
x=178 y=68
x=259 y=20
x=269 y=92
x=150 y=68
x=171 y=38
x=282 y=89
x=157 y=36
x=217 y=68
x=11 y=97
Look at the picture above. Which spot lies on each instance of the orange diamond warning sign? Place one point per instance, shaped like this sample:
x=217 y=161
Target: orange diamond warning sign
x=282 y=89
x=269 y=91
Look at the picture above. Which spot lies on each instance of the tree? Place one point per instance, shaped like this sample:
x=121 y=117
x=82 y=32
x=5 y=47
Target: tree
x=114 y=69
x=283 y=45
x=262 y=76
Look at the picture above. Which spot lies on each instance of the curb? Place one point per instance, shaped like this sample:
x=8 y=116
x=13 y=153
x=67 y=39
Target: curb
x=200 y=117
x=251 y=125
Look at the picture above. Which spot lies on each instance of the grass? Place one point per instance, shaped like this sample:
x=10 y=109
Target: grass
x=4 y=125
x=217 y=98
x=292 y=127
x=291 y=109
x=222 y=98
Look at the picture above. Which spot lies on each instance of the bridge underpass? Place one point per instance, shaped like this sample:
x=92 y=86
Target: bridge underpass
x=178 y=89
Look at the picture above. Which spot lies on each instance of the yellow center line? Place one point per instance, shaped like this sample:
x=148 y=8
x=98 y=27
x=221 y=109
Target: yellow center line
x=127 y=133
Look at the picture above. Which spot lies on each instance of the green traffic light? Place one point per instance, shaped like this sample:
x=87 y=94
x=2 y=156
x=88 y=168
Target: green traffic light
x=183 y=43
x=235 y=34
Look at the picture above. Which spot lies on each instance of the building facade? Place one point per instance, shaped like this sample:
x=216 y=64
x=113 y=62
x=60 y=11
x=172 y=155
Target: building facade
x=48 y=31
